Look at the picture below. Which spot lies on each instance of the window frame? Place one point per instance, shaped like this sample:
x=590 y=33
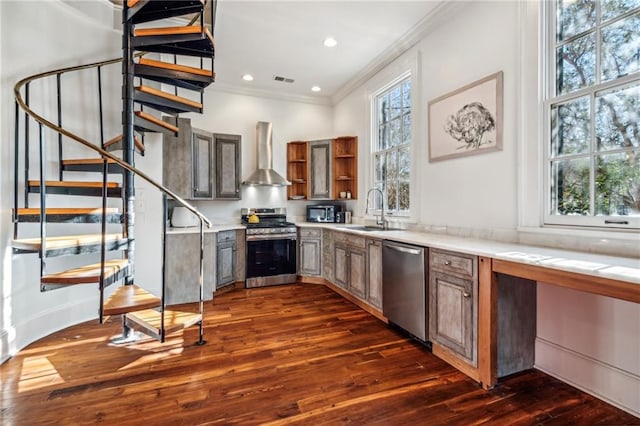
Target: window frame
x=549 y=44
x=398 y=80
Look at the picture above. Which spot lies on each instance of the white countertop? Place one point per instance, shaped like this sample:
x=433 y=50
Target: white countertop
x=613 y=267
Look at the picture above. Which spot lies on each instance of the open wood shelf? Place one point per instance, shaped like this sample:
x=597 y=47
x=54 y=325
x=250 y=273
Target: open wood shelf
x=297 y=170
x=345 y=166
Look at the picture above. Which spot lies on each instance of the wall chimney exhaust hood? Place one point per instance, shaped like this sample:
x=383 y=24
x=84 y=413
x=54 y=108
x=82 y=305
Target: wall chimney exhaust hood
x=265 y=175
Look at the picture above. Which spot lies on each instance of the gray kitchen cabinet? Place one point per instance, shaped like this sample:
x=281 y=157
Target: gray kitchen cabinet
x=310 y=254
x=374 y=272
x=226 y=249
x=328 y=255
x=182 y=267
x=320 y=170
x=350 y=265
x=453 y=303
x=200 y=165
x=228 y=166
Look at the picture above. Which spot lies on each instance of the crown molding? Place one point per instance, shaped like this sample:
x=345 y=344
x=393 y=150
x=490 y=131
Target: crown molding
x=438 y=15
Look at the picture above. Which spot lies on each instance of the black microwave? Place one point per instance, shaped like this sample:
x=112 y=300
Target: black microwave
x=323 y=213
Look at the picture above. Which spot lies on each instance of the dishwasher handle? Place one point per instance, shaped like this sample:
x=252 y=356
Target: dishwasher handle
x=405 y=249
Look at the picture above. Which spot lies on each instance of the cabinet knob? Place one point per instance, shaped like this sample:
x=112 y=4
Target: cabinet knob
x=447 y=262
x=466 y=295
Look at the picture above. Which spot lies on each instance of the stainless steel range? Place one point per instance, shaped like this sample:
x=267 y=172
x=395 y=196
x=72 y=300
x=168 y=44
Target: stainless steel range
x=271 y=247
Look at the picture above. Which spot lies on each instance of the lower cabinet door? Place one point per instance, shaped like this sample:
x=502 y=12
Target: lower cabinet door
x=226 y=265
x=310 y=252
x=452 y=314
x=357 y=273
x=340 y=270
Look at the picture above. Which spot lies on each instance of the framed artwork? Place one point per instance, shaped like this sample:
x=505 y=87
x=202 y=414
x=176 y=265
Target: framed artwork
x=467 y=121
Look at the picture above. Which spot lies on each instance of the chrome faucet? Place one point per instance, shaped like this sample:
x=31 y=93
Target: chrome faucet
x=381 y=220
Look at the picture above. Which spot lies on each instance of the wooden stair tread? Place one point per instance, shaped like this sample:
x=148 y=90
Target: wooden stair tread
x=156 y=121
x=169 y=96
x=161 y=31
x=129 y=298
x=85 y=274
x=61 y=242
x=173 y=320
x=66 y=211
x=176 y=67
x=119 y=138
x=76 y=161
x=74 y=184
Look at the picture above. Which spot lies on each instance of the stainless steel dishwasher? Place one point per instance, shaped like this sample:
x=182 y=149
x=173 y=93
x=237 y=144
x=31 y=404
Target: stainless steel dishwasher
x=404 y=287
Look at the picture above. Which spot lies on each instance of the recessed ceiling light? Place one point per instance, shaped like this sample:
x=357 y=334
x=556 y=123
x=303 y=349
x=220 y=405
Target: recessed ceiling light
x=330 y=42
x=316 y=89
x=247 y=77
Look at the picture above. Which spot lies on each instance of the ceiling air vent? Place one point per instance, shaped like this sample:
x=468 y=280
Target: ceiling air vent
x=283 y=79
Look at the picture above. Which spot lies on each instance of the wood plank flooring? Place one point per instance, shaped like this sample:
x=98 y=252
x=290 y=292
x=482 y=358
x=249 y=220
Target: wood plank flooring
x=294 y=354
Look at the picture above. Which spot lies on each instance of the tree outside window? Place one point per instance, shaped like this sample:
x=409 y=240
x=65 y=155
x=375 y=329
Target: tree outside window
x=392 y=147
x=594 y=113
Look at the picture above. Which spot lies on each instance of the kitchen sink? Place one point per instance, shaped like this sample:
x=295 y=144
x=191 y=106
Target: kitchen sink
x=367 y=228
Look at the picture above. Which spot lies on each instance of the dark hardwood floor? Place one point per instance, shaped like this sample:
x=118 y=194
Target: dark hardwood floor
x=297 y=354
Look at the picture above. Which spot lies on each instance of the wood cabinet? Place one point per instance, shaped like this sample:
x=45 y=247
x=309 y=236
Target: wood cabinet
x=345 y=166
x=228 y=166
x=200 y=165
x=182 y=267
x=453 y=303
x=320 y=170
x=323 y=169
x=350 y=265
x=374 y=272
x=226 y=249
x=310 y=252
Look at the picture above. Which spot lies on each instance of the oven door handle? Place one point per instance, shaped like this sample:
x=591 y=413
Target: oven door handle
x=263 y=237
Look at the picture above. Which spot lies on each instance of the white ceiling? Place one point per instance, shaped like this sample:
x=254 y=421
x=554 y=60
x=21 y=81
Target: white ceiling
x=285 y=38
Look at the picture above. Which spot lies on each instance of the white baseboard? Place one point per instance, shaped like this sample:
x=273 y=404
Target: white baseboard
x=5 y=352
x=45 y=323
x=617 y=387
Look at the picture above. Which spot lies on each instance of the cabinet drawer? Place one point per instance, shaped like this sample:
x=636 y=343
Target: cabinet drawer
x=224 y=236
x=459 y=264
x=349 y=238
x=310 y=232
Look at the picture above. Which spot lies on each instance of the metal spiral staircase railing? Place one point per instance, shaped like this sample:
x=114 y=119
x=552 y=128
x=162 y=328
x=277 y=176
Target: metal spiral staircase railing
x=140 y=309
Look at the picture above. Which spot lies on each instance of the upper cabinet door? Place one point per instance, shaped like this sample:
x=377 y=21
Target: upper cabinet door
x=202 y=151
x=228 y=169
x=320 y=170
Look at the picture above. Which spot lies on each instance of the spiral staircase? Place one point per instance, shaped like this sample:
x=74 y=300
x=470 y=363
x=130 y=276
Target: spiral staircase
x=159 y=78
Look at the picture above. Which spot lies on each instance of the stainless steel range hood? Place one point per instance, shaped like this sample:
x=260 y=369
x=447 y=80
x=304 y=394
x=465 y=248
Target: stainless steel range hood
x=265 y=175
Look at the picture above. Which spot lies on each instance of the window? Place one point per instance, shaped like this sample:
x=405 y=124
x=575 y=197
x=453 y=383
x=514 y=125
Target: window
x=392 y=146
x=593 y=114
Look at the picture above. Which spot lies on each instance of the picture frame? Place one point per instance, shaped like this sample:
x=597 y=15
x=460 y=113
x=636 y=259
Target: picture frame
x=467 y=121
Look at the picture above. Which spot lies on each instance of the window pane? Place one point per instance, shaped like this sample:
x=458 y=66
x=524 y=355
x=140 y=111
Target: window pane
x=380 y=166
x=612 y=8
x=383 y=108
x=406 y=95
x=574 y=17
x=618 y=184
x=403 y=196
x=570 y=128
x=383 y=137
x=395 y=134
x=392 y=195
x=621 y=48
x=392 y=165
x=570 y=187
x=404 y=164
x=406 y=128
x=576 y=62
x=396 y=101
x=618 y=119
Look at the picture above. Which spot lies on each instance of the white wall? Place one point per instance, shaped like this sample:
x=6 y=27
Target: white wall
x=590 y=341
